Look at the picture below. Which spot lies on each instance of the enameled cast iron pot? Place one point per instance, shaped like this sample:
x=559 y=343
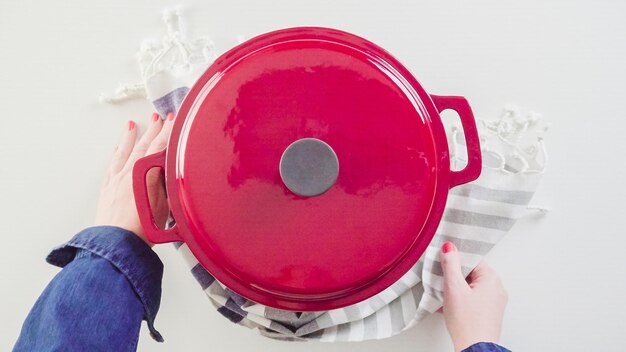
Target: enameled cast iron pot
x=307 y=169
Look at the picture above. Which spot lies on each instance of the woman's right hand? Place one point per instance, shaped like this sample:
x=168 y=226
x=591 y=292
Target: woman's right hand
x=473 y=309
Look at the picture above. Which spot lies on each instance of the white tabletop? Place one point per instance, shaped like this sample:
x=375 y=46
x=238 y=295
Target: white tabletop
x=565 y=59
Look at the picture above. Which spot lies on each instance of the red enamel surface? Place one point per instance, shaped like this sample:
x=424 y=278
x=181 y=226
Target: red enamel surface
x=235 y=199
x=241 y=221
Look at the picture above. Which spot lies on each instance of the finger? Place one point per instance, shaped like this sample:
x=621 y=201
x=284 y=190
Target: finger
x=125 y=147
x=158 y=197
x=160 y=141
x=481 y=272
x=451 y=264
x=141 y=147
x=107 y=175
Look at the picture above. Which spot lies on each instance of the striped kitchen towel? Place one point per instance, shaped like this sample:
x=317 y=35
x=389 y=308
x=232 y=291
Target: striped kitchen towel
x=476 y=217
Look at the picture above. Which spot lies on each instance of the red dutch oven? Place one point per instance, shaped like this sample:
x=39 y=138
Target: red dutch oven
x=307 y=169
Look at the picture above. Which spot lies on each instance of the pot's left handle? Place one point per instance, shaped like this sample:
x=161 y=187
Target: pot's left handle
x=472 y=140
x=153 y=233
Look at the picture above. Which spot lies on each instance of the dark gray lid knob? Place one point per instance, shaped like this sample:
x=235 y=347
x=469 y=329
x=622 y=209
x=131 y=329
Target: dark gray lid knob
x=309 y=167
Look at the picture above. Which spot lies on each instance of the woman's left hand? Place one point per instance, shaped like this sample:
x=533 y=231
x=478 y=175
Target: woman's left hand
x=116 y=205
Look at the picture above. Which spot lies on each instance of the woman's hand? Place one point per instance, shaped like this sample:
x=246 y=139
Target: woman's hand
x=116 y=206
x=473 y=309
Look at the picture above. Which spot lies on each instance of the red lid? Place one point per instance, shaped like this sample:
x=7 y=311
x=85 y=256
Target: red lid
x=307 y=169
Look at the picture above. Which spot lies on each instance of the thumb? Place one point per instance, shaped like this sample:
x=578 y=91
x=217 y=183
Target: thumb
x=451 y=265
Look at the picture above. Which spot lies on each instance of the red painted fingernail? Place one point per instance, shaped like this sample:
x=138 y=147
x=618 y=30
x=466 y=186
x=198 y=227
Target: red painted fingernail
x=131 y=125
x=170 y=116
x=155 y=117
x=448 y=247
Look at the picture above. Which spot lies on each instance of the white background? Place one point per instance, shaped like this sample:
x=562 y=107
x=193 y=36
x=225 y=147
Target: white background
x=565 y=59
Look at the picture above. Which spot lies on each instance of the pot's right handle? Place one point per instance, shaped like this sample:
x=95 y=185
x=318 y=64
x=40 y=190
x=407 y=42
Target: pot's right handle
x=152 y=231
x=472 y=141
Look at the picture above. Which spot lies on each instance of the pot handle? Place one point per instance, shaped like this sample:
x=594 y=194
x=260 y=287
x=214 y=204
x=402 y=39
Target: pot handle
x=472 y=141
x=153 y=233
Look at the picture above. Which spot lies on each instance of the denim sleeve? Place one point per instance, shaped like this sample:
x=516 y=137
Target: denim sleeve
x=485 y=347
x=110 y=282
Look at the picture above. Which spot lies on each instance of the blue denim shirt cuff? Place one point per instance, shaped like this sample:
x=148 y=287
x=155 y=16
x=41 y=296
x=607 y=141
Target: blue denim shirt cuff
x=485 y=347
x=129 y=254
